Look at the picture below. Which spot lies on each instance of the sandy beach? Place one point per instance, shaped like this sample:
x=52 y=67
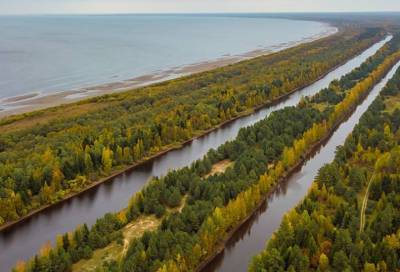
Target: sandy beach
x=35 y=101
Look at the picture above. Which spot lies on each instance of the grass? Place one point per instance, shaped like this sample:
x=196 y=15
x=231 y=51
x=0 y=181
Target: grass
x=219 y=167
x=321 y=106
x=40 y=117
x=392 y=103
x=116 y=251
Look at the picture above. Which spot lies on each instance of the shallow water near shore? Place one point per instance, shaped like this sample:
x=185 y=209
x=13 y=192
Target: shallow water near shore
x=45 y=59
x=24 y=239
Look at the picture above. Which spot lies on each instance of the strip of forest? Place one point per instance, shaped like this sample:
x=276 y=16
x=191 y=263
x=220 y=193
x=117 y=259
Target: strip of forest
x=193 y=212
x=48 y=155
x=349 y=220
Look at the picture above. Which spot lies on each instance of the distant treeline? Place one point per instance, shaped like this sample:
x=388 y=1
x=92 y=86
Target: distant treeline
x=350 y=220
x=213 y=205
x=49 y=154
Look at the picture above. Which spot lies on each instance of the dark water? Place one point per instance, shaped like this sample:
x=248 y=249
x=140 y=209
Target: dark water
x=251 y=237
x=24 y=240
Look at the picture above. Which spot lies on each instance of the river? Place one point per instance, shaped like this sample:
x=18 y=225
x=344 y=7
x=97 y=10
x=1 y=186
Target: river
x=251 y=238
x=25 y=239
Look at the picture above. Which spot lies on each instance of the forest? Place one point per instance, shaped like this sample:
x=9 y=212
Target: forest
x=349 y=220
x=48 y=155
x=193 y=211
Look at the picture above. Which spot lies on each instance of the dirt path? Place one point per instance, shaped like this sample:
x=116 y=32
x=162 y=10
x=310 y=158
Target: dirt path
x=364 y=204
x=219 y=167
x=126 y=245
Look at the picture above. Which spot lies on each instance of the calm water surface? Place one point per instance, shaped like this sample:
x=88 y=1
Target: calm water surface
x=250 y=239
x=55 y=53
x=24 y=240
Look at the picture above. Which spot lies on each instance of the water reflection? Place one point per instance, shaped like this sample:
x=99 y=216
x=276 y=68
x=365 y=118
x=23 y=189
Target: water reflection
x=24 y=240
x=250 y=239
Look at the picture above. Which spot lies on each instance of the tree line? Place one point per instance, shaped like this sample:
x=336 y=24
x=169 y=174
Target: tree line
x=262 y=153
x=49 y=154
x=325 y=232
x=221 y=221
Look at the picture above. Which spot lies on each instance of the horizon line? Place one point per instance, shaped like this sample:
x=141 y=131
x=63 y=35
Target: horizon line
x=202 y=13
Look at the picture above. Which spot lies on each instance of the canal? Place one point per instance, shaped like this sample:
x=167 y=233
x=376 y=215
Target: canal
x=251 y=238
x=23 y=240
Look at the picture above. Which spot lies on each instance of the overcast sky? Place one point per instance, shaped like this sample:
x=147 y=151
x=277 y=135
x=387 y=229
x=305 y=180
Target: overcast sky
x=170 y=6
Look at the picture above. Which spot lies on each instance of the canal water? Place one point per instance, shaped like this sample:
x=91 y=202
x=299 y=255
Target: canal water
x=25 y=239
x=251 y=238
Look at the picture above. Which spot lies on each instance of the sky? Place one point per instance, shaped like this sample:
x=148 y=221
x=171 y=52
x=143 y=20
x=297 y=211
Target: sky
x=191 y=6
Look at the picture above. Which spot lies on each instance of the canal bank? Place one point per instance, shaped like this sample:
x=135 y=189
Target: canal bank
x=26 y=238
x=251 y=237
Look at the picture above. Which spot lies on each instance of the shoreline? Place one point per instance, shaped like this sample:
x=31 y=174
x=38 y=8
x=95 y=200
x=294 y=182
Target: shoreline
x=150 y=158
x=33 y=101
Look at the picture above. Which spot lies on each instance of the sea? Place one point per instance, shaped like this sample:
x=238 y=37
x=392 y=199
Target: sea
x=41 y=55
